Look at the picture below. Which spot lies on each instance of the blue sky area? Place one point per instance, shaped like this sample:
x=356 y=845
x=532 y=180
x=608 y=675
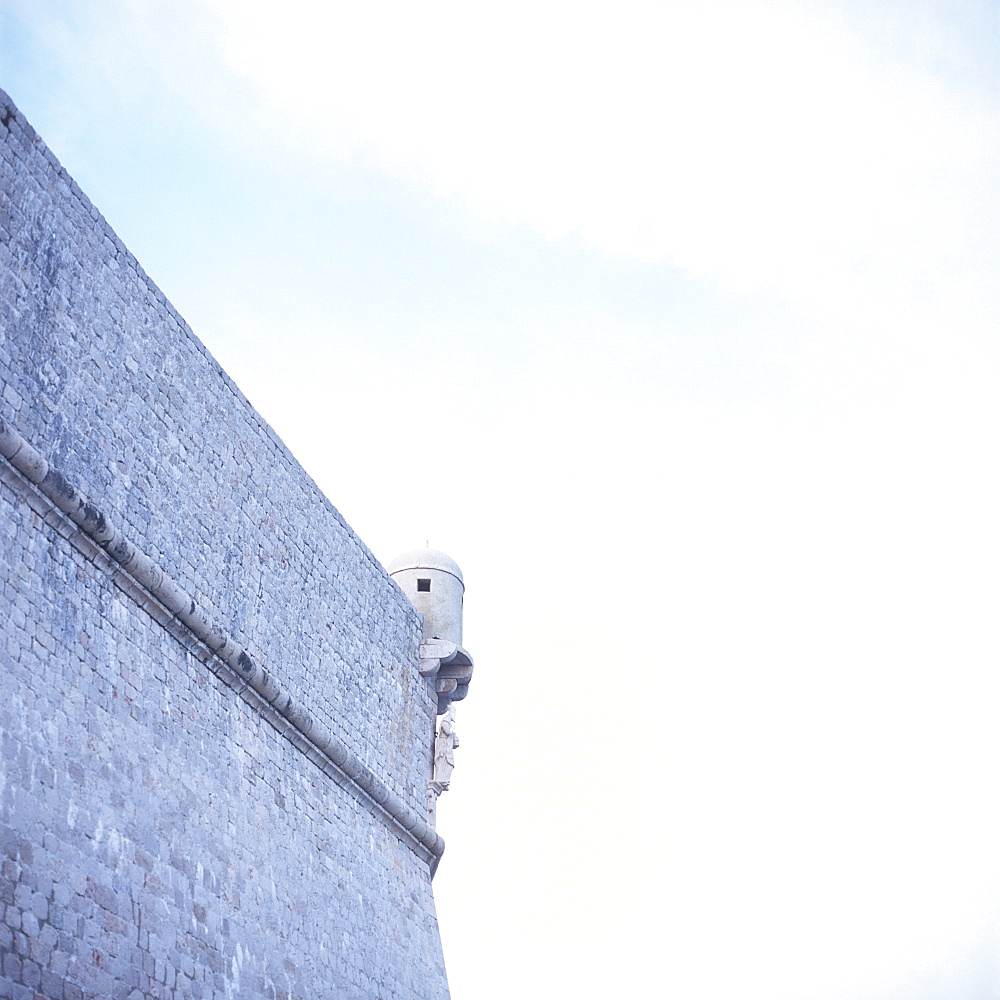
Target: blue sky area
x=675 y=325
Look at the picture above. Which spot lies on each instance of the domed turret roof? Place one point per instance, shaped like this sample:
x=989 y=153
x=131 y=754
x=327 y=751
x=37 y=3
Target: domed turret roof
x=425 y=559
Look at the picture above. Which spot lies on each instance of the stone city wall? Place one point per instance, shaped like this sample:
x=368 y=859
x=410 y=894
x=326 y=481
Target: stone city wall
x=215 y=739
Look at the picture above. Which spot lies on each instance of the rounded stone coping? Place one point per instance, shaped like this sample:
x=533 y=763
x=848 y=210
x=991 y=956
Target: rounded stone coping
x=425 y=559
x=66 y=497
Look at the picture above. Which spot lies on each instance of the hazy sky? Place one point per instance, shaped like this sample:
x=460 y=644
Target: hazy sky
x=676 y=325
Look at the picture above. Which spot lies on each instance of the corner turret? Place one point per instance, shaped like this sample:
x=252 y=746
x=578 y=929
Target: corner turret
x=434 y=584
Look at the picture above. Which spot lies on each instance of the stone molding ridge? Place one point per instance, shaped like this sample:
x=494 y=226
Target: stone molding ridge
x=68 y=499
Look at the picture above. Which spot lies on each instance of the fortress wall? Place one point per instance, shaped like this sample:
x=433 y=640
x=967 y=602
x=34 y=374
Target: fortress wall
x=160 y=838
x=111 y=385
x=165 y=831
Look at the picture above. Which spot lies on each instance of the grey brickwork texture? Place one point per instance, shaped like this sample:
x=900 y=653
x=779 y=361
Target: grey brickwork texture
x=166 y=829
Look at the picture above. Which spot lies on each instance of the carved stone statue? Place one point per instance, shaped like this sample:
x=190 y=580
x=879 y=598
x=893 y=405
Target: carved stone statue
x=445 y=741
x=444 y=749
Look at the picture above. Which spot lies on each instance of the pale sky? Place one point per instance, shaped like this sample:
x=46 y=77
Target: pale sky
x=675 y=324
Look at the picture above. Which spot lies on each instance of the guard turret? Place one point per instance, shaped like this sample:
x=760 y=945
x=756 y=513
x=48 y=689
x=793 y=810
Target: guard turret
x=433 y=583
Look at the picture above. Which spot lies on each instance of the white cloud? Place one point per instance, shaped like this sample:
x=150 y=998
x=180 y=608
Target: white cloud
x=764 y=144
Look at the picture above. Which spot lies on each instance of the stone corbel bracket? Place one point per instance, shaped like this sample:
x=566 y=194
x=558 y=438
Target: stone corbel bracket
x=447 y=668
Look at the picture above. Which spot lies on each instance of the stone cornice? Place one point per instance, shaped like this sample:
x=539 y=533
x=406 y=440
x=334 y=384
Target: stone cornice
x=138 y=574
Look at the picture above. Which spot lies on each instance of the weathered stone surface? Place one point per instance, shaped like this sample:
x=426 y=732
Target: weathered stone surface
x=165 y=831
